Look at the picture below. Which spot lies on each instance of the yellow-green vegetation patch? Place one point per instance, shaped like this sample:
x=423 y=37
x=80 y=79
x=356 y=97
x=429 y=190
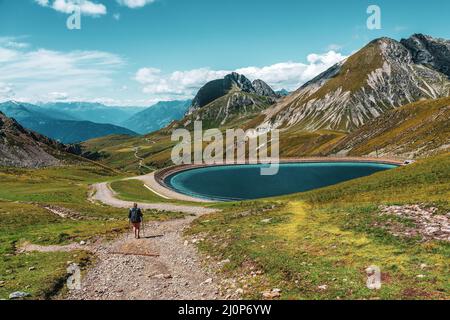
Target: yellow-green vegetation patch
x=295 y=142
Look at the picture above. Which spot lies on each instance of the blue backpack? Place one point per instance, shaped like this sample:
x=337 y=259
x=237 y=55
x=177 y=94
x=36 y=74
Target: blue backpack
x=135 y=215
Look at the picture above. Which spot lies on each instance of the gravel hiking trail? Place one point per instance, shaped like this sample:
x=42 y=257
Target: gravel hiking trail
x=162 y=265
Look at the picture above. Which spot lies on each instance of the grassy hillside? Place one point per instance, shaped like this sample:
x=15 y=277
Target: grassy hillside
x=317 y=245
x=120 y=151
x=353 y=74
x=23 y=219
x=299 y=143
x=156 y=148
x=413 y=130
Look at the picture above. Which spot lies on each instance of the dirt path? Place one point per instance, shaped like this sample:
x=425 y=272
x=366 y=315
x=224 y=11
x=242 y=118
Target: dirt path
x=104 y=194
x=126 y=268
x=161 y=266
x=141 y=160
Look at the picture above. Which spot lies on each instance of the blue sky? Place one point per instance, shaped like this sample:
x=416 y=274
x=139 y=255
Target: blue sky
x=137 y=52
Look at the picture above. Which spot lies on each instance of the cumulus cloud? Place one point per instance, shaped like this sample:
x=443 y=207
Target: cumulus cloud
x=87 y=7
x=178 y=83
x=53 y=75
x=6 y=91
x=134 y=3
x=285 y=75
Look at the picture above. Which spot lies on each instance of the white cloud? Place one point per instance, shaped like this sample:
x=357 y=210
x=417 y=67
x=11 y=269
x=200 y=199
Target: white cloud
x=12 y=43
x=6 y=91
x=334 y=47
x=58 y=96
x=53 y=75
x=7 y=54
x=33 y=75
x=185 y=84
x=134 y=3
x=87 y=7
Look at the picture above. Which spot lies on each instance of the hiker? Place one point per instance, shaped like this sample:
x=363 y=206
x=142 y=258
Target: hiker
x=135 y=216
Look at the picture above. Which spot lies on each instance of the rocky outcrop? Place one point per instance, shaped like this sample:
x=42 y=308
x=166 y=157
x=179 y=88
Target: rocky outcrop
x=218 y=88
x=263 y=89
x=428 y=51
x=232 y=98
x=20 y=147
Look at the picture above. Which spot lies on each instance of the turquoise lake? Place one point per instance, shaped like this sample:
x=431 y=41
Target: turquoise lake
x=245 y=182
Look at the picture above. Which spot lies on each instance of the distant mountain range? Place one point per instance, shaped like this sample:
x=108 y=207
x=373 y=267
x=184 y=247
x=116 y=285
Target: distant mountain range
x=93 y=112
x=282 y=92
x=157 y=116
x=74 y=122
x=58 y=125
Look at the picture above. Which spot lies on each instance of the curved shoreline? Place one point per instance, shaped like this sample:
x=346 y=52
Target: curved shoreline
x=156 y=180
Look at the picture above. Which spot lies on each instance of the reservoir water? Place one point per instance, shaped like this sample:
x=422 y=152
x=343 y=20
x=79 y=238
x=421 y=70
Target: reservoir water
x=245 y=182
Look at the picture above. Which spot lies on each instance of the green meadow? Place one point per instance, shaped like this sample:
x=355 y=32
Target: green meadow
x=22 y=219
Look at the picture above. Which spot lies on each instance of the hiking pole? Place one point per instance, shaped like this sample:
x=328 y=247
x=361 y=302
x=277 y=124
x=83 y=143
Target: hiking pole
x=143 y=226
x=129 y=227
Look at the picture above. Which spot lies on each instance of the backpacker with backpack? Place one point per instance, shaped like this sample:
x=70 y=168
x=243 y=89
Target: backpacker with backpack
x=135 y=215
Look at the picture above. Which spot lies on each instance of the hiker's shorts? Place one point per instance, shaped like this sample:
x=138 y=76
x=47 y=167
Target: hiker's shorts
x=136 y=225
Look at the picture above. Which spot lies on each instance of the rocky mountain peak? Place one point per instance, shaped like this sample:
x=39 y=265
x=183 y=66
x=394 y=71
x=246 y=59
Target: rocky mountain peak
x=233 y=81
x=263 y=89
x=429 y=51
x=239 y=81
x=9 y=124
x=383 y=75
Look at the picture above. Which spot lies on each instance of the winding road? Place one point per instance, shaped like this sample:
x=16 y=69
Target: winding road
x=106 y=195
